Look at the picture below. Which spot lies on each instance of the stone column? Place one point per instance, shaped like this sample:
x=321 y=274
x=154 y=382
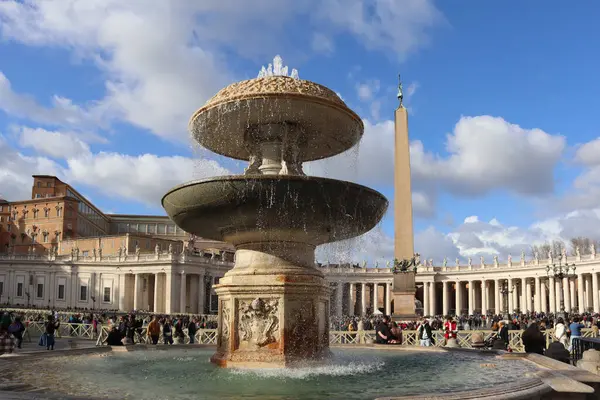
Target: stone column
x=193 y=298
x=375 y=296
x=537 y=302
x=432 y=299
x=183 y=292
x=573 y=293
x=363 y=299
x=121 y=292
x=527 y=304
x=171 y=301
x=458 y=298
x=157 y=293
x=484 y=305
x=137 y=295
x=51 y=295
x=425 y=298
x=566 y=294
x=201 y=293
x=543 y=300
x=498 y=298
x=388 y=298
x=471 y=297
x=552 y=297
x=445 y=302
x=588 y=292
x=511 y=297
x=580 y=293
x=523 y=298
x=351 y=298
x=339 y=298
x=595 y=292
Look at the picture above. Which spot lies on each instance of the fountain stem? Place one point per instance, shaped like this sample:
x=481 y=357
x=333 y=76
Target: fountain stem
x=271 y=157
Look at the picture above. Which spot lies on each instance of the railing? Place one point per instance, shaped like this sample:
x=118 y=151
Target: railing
x=209 y=336
x=33 y=314
x=131 y=258
x=581 y=344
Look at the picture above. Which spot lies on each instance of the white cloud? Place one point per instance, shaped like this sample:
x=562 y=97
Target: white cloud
x=52 y=143
x=484 y=154
x=155 y=78
x=144 y=178
x=322 y=43
x=16 y=170
x=589 y=153
x=62 y=111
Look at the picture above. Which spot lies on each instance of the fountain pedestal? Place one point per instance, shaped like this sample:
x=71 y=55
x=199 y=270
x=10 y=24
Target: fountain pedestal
x=272 y=313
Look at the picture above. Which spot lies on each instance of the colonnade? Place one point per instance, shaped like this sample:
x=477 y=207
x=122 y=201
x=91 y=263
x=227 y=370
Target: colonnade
x=360 y=298
x=168 y=292
x=580 y=293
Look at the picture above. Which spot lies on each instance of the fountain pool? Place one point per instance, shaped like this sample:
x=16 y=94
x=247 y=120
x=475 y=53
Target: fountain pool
x=185 y=373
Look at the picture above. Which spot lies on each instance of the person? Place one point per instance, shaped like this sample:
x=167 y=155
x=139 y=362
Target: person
x=167 y=332
x=396 y=332
x=533 y=339
x=51 y=327
x=16 y=329
x=192 y=330
x=557 y=351
x=154 y=330
x=383 y=334
x=114 y=337
x=7 y=342
x=450 y=329
x=560 y=332
x=575 y=329
x=503 y=333
x=424 y=334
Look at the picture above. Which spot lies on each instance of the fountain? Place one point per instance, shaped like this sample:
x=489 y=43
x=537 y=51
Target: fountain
x=274 y=303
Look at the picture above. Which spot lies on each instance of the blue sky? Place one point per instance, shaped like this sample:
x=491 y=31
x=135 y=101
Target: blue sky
x=502 y=101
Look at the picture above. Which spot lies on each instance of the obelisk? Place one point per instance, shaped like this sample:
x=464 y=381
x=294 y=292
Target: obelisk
x=404 y=289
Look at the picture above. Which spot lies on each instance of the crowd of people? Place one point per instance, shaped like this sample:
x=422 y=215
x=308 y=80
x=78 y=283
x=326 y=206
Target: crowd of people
x=131 y=328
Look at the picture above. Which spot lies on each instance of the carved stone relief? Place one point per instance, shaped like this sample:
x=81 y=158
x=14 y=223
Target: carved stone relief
x=259 y=322
x=225 y=316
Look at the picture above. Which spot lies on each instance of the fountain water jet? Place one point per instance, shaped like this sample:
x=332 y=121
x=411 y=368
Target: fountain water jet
x=274 y=303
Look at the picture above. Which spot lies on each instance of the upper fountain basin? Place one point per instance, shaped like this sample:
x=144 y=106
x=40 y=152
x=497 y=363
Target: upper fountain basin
x=320 y=121
x=266 y=208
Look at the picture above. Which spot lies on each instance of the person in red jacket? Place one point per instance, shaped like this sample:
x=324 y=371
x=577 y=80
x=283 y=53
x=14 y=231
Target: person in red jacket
x=450 y=329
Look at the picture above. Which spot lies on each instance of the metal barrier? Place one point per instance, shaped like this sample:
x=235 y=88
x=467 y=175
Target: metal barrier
x=209 y=336
x=32 y=314
x=581 y=344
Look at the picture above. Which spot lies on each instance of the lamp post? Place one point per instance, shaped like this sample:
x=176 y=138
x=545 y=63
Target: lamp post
x=560 y=271
x=506 y=290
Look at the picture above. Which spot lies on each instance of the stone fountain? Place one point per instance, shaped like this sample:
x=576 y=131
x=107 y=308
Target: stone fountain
x=274 y=303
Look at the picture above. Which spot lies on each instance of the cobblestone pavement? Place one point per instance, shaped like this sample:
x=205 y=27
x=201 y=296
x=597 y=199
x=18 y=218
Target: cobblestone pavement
x=61 y=344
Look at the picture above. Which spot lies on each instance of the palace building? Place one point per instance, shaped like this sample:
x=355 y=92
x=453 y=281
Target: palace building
x=58 y=250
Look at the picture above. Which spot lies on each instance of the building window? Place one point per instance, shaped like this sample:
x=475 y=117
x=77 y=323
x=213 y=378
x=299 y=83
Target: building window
x=46 y=212
x=107 y=295
x=58 y=211
x=38 y=196
x=85 y=253
x=1 y=208
x=142 y=228
x=40 y=291
x=61 y=292
x=161 y=229
x=151 y=228
x=39 y=184
x=171 y=229
x=48 y=184
x=45 y=237
x=147 y=244
x=20 y=289
x=1 y=288
x=83 y=293
x=9 y=227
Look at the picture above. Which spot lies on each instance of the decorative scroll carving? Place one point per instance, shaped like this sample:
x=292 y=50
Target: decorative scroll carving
x=225 y=314
x=259 y=322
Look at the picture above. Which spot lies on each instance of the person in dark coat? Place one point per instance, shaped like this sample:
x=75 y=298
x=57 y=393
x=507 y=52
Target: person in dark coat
x=533 y=339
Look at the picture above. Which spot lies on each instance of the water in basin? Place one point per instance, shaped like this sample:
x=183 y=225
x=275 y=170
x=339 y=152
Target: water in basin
x=179 y=374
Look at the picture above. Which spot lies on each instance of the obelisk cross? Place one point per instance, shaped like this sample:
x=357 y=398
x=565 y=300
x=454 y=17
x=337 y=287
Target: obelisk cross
x=400 y=91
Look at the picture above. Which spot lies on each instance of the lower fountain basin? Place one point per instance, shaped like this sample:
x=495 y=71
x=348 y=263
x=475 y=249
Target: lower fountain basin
x=263 y=208
x=185 y=373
